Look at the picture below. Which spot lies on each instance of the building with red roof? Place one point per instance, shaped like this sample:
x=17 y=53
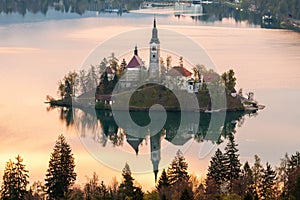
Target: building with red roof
x=135 y=71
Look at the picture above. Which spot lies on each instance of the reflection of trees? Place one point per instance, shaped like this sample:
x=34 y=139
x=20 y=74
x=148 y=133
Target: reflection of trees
x=216 y=12
x=101 y=127
x=110 y=128
x=65 y=114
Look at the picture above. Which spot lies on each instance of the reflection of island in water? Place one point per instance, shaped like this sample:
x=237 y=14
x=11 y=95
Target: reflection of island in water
x=175 y=131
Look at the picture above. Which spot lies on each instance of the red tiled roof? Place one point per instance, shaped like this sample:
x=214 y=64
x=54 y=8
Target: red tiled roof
x=179 y=71
x=135 y=61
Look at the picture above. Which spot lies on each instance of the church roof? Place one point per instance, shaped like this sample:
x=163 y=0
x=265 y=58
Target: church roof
x=135 y=62
x=179 y=71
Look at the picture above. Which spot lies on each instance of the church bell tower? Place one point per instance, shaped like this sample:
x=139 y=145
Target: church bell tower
x=154 y=68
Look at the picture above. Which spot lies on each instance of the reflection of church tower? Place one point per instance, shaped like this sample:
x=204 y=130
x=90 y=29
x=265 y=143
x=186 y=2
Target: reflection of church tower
x=155 y=153
x=134 y=142
x=154 y=54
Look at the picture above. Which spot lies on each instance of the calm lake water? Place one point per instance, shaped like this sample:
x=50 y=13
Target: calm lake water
x=37 y=51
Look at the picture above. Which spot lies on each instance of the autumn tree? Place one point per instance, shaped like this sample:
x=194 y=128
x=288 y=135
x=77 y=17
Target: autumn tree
x=15 y=180
x=60 y=174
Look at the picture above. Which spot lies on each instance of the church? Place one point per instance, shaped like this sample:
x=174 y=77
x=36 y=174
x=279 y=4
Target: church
x=136 y=71
x=176 y=77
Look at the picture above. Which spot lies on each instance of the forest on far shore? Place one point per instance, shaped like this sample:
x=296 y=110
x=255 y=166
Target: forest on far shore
x=226 y=178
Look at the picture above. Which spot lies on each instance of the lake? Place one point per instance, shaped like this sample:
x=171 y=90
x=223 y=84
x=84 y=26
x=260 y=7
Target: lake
x=37 y=51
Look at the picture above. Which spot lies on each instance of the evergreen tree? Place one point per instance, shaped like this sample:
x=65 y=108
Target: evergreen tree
x=246 y=188
x=60 y=174
x=185 y=195
x=257 y=171
x=216 y=174
x=282 y=174
x=229 y=80
x=163 y=181
x=267 y=185
x=15 y=180
x=103 y=191
x=126 y=188
x=232 y=163
x=293 y=182
x=163 y=185
x=294 y=162
x=177 y=171
x=178 y=176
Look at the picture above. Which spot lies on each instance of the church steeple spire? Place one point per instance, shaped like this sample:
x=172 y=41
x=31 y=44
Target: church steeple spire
x=154 y=38
x=154 y=65
x=135 y=50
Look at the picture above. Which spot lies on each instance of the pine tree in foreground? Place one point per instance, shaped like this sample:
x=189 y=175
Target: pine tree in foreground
x=215 y=177
x=15 y=180
x=232 y=164
x=177 y=171
x=127 y=190
x=257 y=172
x=163 y=185
x=163 y=181
x=60 y=174
x=178 y=176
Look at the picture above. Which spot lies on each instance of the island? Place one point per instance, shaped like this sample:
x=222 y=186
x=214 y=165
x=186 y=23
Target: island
x=136 y=87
